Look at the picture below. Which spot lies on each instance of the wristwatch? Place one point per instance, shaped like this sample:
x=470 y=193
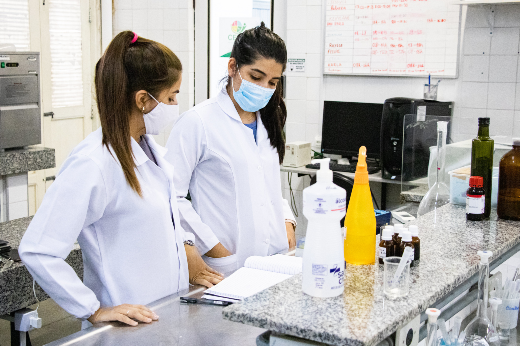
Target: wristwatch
x=189 y=242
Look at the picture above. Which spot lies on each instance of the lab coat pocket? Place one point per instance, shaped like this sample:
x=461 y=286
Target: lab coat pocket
x=223 y=265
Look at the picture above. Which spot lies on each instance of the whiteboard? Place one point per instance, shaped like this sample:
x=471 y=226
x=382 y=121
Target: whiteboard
x=392 y=37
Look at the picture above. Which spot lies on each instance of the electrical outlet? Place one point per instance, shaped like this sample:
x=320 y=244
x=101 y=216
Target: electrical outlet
x=408 y=334
x=26 y=320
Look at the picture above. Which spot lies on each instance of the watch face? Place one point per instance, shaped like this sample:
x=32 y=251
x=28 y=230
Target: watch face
x=189 y=242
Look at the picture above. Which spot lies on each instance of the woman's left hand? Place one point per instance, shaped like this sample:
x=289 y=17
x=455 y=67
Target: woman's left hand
x=291 y=234
x=199 y=272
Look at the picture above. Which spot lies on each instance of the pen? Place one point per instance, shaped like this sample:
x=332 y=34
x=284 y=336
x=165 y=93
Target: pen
x=204 y=301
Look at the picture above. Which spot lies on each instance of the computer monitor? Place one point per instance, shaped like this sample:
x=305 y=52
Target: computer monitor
x=350 y=125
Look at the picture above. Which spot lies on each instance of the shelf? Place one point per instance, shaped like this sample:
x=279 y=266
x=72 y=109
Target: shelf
x=485 y=2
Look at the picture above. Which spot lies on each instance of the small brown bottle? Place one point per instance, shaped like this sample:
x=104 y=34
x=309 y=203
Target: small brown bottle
x=395 y=238
x=509 y=184
x=407 y=242
x=416 y=242
x=475 y=199
x=386 y=245
x=398 y=251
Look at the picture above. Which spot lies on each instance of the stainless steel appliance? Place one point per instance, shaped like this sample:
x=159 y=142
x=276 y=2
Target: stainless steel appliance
x=20 y=105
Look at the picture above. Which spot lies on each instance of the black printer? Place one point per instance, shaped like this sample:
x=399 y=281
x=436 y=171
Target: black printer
x=408 y=130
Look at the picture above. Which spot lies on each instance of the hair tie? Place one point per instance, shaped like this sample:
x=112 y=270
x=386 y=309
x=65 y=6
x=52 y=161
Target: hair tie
x=135 y=38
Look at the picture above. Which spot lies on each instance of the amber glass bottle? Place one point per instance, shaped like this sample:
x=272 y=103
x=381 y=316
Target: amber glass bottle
x=509 y=184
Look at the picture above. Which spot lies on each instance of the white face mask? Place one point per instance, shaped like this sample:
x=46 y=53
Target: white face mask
x=160 y=117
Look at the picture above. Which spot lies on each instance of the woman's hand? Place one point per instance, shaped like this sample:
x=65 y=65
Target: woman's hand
x=126 y=313
x=291 y=234
x=199 y=272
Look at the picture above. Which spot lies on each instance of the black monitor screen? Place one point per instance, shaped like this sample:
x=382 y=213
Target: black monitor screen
x=350 y=125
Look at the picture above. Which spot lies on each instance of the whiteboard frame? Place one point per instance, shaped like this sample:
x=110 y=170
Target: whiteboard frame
x=324 y=18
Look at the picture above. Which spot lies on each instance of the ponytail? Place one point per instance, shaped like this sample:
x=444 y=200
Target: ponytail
x=128 y=65
x=254 y=44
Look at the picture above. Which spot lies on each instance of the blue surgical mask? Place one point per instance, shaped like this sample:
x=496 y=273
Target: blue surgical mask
x=251 y=97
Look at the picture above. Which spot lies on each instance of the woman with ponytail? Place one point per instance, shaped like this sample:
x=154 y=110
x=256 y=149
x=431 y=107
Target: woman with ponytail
x=227 y=152
x=115 y=195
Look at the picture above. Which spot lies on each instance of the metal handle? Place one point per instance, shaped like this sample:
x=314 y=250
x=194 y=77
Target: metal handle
x=49 y=114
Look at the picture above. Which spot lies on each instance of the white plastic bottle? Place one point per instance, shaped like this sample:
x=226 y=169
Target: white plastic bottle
x=324 y=205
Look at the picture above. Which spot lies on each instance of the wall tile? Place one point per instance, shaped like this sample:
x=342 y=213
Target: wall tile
x=313 y=66
x=183 y=37
x=122 y=21
x=314 y=17
x=501 y=122
x=313 y=41
x=501 y=95
x=183 y=19
x=467 y=123
x=18 y=210
x=171 y=19
x=475 y=68
x=313 y=114
x=140 y=20
x=314 y=2
x=311 y=131
x=156 y=3
x=295 y=111
x=17 y=188
x=123 y=4
x=474 y=95
x=517 y=98
x=296 y=17
x=185 y=3
x=156 y=35
x=155 y=19
x=139 y=4
x=505 y=41
x=502 y=68
x=476 y=41
x=171 y=40
x=296 y=41
x=507 y=15
x=296 y=88
x=295 y=132
x=297 y=2
x=171 y=3
x=313 y=88
x=477 y=17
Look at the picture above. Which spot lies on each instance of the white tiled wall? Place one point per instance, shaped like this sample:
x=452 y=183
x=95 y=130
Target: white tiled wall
x=13 y=197
x=171 y=23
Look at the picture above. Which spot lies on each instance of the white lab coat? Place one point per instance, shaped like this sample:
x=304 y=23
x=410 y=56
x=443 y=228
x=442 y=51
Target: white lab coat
x=234 y=183
x=132 y=253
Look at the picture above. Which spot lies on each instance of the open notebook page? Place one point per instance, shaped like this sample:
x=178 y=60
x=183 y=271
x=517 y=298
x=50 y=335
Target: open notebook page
x=246 y=282
x=277 y=264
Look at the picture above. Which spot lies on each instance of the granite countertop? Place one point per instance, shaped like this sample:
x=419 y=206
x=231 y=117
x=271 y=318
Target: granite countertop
x=414 y=195
x=363 y=315
x=16 y=282
x=28 y=159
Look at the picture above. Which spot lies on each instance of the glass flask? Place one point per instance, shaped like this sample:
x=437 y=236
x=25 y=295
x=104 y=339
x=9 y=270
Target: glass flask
x=439 y=194
x=480 y=331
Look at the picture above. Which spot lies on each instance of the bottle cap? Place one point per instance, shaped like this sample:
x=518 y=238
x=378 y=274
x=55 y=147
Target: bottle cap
x=406 y=236
x=484 y=256
x=433 y=314
x=361 y=176
x=398 y=226
x=414 y=230
x=401 y=231
x=483 y=121
x=476 y=181
x=516 y=142
x=387 y=234
x=389 y=227
x=324 y=174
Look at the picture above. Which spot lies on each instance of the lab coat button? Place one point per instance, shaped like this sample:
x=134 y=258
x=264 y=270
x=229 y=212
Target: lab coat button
x=266 y=241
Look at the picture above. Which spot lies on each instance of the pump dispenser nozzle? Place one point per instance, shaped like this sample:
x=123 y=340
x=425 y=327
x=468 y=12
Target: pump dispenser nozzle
x=361 y=176
x=324 y=175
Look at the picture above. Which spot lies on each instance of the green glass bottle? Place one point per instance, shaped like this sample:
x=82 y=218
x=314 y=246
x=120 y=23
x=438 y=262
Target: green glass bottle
x=482 y=159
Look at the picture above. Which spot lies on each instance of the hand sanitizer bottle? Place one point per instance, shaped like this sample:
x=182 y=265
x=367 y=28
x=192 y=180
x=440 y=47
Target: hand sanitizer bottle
x=324 y=205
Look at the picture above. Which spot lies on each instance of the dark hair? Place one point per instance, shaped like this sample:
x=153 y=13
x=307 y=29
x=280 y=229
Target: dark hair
x=254 y=44
x=125 y=68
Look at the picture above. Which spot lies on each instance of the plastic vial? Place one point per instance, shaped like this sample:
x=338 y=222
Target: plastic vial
x=407 y=242
x=431 y=338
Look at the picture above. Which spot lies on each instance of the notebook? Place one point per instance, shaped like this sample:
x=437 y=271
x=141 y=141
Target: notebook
x=258 y=274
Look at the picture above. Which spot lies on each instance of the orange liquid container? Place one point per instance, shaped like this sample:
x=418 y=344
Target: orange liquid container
x=360 y=243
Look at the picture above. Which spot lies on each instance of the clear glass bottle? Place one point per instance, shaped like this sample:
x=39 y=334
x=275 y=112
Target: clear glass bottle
x=480 y=331
x=439 y=194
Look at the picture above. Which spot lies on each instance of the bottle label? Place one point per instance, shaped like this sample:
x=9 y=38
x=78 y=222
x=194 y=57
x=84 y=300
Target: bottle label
x=475 y=204
x=382 y=252
x=324 y=206
x=328 y=277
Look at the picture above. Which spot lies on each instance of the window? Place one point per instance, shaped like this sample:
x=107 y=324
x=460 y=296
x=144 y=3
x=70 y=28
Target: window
x=14 y=24
x=65 y=49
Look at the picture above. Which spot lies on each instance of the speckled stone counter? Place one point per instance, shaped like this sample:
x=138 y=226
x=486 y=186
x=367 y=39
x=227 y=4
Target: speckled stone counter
x=25 y=160
x=16 y=282
x=414 y=195
x=363 y=315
